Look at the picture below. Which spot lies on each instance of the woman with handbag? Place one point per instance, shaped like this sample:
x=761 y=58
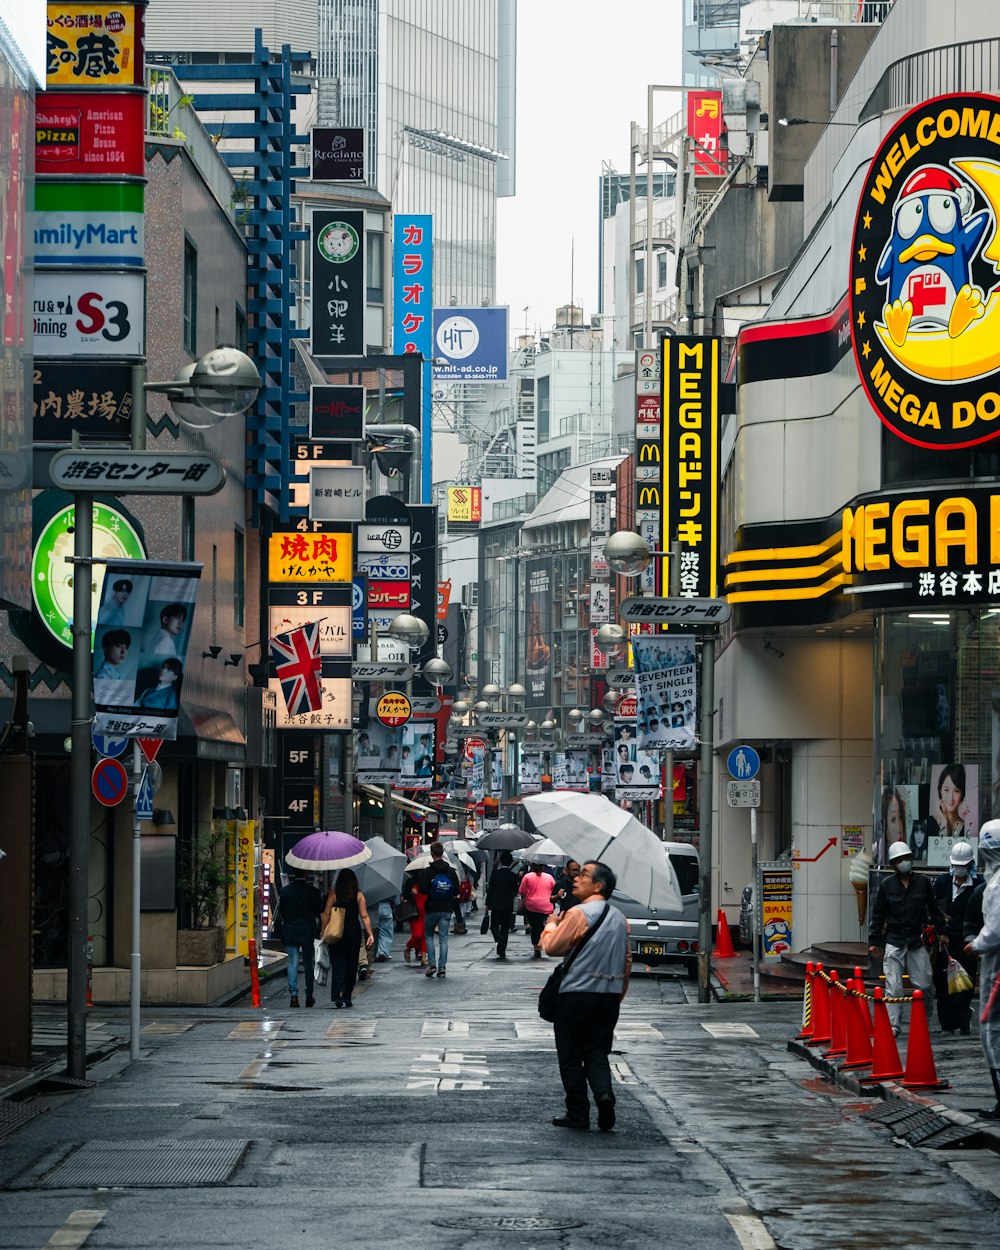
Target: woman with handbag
x=346 y=896
x=414 y=913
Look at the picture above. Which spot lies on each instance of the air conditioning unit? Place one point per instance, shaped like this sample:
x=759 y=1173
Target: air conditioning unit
x=470 y=595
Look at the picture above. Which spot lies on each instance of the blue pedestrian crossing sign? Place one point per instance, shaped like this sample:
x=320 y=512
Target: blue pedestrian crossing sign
x=743 y=763
x=144 y=796
x=108 y=746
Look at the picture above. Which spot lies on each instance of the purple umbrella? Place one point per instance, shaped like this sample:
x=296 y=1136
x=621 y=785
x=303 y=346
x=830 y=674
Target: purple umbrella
x=327 y=850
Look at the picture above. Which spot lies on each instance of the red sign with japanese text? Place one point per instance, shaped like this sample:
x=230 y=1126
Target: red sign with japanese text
x=705 y=128
x=394 y=594
x=79 y=133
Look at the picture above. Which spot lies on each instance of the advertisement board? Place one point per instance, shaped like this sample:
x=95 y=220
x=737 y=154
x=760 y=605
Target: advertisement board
x=338 y=282
x=101 y=135
x=337 y=493
x=338 y=153
x=473 y=344
x=89 y=314
x=412 y=283
x=775 y=894
x=94 y=400
x=465 y=505
x=337 y=413
x=89 y=223
x=94 y=45
x=295 y=556
x=667 y=681
x=335 y=640
x=705 y=128
x=335 y=712
x=538 y=643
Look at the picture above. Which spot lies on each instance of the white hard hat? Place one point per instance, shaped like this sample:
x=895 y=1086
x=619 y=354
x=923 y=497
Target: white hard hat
x=989 y=840
x=962 y=853
x=899 y=850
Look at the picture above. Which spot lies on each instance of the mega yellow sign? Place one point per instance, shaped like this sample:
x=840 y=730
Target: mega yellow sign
x=307 y=557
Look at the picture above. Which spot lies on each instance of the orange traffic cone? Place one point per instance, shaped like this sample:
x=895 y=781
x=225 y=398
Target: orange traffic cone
x=805 y=1032
x=885 y=1055
x=821 y=1009
x=859 y=1044
x=859 y=985
x=838 y=1019
x=254 y=975
x=723 y=940
x=920 y=1070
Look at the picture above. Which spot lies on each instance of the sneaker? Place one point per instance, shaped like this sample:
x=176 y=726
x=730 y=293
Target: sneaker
x=363 y=974
x=605 y=1112
x=430 y=970
x=538 y=953
x=293 y=1001
x=440 y=972
x=992 y=1113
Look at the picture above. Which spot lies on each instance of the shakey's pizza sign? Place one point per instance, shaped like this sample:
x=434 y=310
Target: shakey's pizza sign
x=925 y=274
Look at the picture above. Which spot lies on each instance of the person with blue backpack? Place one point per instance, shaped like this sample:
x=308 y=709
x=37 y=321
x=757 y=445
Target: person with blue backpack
x=440 y=886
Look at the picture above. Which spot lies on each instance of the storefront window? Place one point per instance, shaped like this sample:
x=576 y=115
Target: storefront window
x=937 y=730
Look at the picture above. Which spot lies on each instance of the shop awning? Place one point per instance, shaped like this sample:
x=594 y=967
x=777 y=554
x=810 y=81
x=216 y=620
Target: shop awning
x=402 y=802
x=217 y=735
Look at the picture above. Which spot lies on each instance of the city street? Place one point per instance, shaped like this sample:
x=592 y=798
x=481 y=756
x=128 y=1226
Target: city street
x=423 y=1116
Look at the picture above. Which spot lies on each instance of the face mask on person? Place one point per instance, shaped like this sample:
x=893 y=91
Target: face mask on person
x=960 y=871
x=903 y=866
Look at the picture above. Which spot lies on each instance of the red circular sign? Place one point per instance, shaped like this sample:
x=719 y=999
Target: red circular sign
x=628 y=707
x=393 y=709
x=109 y=782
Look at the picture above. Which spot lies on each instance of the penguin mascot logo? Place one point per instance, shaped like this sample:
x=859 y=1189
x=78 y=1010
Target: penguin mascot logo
x=925 y=274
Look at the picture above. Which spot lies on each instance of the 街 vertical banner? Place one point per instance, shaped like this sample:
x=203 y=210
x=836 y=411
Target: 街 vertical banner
x=691 y=460
x=141 y=638
x=666 y=676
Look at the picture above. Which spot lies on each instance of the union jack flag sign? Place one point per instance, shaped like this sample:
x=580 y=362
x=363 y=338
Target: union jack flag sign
x=297 y=666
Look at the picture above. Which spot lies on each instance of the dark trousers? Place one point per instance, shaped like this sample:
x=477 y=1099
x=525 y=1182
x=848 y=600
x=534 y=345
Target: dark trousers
x=500 y=925
x=536 y=923
x=954 y=1010
x=585 y=1028
x=344 y=966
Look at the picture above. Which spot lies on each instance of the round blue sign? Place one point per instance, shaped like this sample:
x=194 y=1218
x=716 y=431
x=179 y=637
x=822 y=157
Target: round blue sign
x=105 y=744
x=743 y=763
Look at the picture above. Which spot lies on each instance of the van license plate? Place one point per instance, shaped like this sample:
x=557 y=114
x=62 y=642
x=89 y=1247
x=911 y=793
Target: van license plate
x=651 y=948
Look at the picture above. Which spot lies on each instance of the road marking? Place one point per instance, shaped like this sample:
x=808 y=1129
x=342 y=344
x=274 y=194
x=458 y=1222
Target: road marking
x=362 y=1029
x=167 y=1027
x=253 y=1030
x=751 y=1231
x=623 y=1074
x=75 y=1231
x=448 y=1071
x=724 y=1030
x=445 y=1028
x=634 y=1028
x=532 y=1030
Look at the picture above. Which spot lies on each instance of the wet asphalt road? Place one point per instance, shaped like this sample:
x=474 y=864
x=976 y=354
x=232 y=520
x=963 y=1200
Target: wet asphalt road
x=422 y=1117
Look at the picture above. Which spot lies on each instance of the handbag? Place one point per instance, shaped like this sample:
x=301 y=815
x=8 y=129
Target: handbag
x=406 y=911
x=549 y=994
x=485 y=926
x=276 y=930
x=519 y=905
x=334 y=930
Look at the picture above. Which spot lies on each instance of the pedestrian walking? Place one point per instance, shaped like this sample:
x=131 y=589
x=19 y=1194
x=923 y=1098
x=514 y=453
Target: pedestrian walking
x=953 y=890
x=439 y=886
x=563 y=897
x=904 y=907
x=417 y=941
x=386 y=928
x=536 y=890
x=594 y=938
x=299 y=907
x=986 y=944
x=501 y=892
x=344 y=954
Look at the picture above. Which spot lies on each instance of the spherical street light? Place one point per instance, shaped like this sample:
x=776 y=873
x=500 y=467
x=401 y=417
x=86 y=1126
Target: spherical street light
x=410 y=630
x=225 y=382
x=481 y=706
x=611 y=700
x=595 y=716
x=531 y=728
x=626 y=553
x=455 y=721
x=574 y=716
x=437 y=671
x=516 y=691
x=611 y=638
x=491 y=691
x=547 y=727
x=460 y=707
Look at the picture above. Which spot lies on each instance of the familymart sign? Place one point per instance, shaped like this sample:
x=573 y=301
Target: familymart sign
x=89 y=223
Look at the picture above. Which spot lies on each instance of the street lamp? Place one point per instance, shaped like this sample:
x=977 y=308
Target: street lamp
x=516 y=691
x=437 y=671
x=409 y=630
x=460 y=708
x=491 y=692
x=627 y=553
x=574 y=716
x=610 y=639
x=222 y=383
x=595 y=716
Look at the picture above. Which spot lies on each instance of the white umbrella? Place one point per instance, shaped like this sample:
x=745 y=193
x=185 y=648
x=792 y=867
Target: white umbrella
x=458 y=860
x=589 y=826
x=544 y=851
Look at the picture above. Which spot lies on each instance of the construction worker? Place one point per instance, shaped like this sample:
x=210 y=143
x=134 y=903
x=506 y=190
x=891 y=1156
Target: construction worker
x=987 y=945
x=904 y=907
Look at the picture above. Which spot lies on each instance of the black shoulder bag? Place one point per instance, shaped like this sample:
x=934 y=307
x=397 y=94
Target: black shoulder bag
x=549 y=994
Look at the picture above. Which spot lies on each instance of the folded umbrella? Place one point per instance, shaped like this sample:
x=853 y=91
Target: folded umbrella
x=327 y=850
x=381 y=877
x=506 y=838
x=590 y=827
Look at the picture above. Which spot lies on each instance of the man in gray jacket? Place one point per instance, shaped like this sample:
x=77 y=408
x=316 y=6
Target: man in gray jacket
x=590 y=994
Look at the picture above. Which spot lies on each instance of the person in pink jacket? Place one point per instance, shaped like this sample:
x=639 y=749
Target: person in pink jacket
x=536 y=888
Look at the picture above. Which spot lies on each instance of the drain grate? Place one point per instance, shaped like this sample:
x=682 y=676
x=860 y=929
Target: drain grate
x=891 y=1113
x=919 y=1126
x=147 y=1164
x=14 y=1114
x=508 y=1223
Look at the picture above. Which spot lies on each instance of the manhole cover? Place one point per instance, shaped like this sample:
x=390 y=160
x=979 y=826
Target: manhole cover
x=14 y=1114
x=147 y=1164
x=508 y=1223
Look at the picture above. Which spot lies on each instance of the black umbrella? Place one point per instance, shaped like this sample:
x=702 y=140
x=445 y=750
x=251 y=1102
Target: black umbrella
x=506 y=838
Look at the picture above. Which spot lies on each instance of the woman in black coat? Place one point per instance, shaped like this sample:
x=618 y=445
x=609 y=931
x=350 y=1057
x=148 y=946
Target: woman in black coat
x=953 y=891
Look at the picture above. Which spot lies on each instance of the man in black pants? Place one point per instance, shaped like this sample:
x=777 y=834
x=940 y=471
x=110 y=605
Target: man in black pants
x=590 y=994
x=500 y=895
x=299 y=907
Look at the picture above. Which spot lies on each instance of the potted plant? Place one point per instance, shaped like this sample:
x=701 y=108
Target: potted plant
x=204 y=882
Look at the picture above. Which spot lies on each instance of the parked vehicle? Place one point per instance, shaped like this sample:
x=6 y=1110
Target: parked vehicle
x=661 y=934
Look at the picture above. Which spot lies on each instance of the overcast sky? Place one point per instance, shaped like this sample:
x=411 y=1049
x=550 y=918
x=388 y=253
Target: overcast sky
x=582 y=71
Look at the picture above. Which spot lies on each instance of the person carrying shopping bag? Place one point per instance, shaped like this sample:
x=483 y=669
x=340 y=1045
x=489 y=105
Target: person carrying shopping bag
x=344 y=953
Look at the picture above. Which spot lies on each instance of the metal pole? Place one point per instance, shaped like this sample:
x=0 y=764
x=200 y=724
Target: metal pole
x=648 y=329
x=135 y=960
x=753 y=878
x=79 y=837
x=706 y=798
x=348 y=748
x=137 y=428
x=673 y=589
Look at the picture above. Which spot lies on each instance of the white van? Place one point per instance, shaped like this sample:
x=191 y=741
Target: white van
x=661 y=934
